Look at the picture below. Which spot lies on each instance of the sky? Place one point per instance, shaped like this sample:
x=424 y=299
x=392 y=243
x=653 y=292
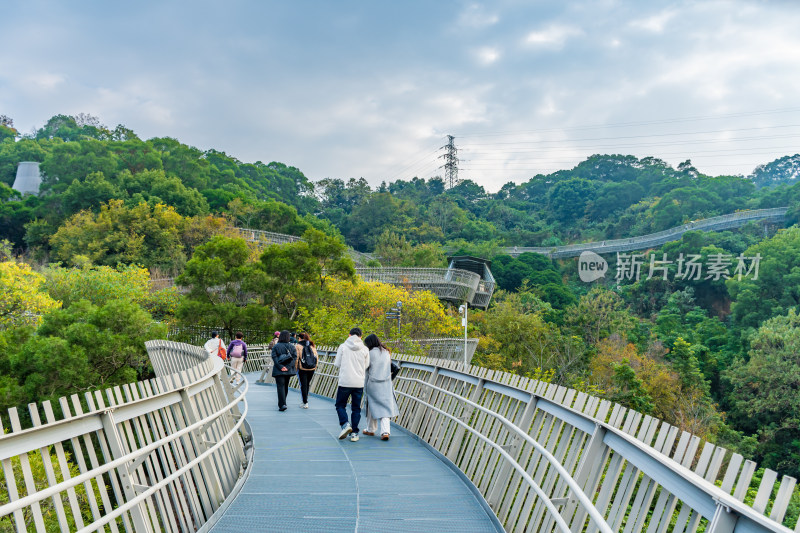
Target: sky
x=371 y=89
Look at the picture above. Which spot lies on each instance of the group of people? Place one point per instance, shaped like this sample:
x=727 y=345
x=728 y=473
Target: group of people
x=364 y=369
x=235 y=353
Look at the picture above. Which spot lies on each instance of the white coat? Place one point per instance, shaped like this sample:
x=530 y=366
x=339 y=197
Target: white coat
x=379 y=390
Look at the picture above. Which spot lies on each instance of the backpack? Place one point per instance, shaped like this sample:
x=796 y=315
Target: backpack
x=308 y=361
x=237 y=351
x=222 y=352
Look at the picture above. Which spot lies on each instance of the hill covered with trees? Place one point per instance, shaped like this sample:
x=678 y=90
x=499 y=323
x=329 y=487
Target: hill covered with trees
x=713 y=353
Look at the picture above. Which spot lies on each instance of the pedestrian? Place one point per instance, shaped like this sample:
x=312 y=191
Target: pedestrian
x=306 y=364
x=274 y=341
x=237 y=352
x=284 y=366
x=381 y=404
x=352 y=360
x=214 y=346
x=293 y=338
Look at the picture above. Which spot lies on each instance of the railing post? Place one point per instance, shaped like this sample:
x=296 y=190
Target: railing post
x=455 y=445
x=207 y=468
x=424 y=396
x=588 y=474
x=117 y=451
x=723 y=521
x=500 y=484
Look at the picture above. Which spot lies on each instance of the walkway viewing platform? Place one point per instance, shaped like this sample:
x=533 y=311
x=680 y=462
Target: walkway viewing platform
x=303 y=478
x=722 y=222
x=188 y=451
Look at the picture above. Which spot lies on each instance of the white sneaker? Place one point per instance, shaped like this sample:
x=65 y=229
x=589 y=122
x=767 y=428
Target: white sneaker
x=353 y=437
x=305 y=406
x=346 y=429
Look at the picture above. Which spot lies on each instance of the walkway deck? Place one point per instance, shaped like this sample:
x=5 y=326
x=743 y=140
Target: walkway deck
x=304 y=479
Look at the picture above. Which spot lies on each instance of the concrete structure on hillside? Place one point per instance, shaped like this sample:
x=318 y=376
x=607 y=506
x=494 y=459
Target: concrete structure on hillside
x=28 y=178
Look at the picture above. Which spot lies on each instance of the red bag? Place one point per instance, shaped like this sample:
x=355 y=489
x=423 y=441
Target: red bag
x=222 y=353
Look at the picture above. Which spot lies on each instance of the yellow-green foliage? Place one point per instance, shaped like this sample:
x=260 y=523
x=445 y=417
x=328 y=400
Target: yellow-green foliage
x=364 y=304
x=101 y=284
x=22 y=297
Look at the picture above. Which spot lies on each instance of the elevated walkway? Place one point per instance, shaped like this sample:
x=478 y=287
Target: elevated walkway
x=303 y=478
x=643 y=242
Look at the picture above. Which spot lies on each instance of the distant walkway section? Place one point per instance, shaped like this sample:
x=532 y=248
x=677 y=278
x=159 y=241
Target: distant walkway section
x=722 y=222
x=304 y=479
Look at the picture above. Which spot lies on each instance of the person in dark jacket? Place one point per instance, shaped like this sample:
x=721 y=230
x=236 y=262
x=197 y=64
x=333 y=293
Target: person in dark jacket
x=304 y=374
x=284 y=366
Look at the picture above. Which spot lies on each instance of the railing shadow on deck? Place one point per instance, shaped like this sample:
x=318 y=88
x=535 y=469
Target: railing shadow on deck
x=548 y=458
x=157 y=455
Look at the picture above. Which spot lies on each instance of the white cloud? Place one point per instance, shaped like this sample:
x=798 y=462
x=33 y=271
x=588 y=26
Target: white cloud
x=475 y=16
x=554 y=36
x=655 y=23
x=43 y=81
x=487 y=55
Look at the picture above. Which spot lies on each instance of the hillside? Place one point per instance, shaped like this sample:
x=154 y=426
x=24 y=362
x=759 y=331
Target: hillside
x=699 y=331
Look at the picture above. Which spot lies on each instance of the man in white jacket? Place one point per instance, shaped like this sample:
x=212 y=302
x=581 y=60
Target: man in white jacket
x=352 y=359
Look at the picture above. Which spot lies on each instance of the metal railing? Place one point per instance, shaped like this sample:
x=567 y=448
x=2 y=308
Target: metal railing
x=550 y=458
x=731 y=220
x=451 y=349
x=157 y=455
x=447 y=284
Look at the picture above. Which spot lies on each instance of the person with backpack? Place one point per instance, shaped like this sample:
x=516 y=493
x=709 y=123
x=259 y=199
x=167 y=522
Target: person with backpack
x=237 y=352
x=284 y=366
x=306 y=364
x=381 y=403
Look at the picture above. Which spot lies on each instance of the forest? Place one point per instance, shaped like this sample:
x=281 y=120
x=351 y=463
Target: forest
x=127 y=236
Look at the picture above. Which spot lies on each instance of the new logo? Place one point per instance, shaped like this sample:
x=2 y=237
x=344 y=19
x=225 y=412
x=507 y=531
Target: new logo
x=591 y=266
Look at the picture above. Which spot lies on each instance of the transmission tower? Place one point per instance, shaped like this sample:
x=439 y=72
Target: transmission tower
x=450 y=166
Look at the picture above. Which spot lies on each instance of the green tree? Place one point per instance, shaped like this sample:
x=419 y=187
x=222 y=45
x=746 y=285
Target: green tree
x=774 y=292
x=765 y=392
x=221 y=280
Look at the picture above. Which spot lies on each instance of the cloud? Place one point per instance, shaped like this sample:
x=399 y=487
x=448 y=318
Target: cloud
x=487 y=55
x=554 y=36
x=43 y=81
x=475 y=16
x=655 y=23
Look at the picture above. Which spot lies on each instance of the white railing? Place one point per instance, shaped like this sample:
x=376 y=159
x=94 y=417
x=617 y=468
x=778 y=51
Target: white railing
x=157 y=455
x=728 y=221
x=549 y=458
x=446 y=283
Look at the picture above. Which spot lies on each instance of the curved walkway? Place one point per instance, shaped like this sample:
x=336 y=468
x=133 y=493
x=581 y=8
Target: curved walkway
x=304 y=479
x=643 y=242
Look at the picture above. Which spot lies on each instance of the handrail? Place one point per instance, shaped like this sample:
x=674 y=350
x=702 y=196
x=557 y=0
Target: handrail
x=577 y=490
x=52 y=490
x=175 y=475
x=634 y=466
x=168 y=455
x=535 y=486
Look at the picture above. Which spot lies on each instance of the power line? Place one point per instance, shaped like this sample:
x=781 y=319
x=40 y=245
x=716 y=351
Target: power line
x=642 y=123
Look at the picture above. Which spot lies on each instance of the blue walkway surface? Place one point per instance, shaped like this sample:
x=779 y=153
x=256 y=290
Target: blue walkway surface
x=304 y=479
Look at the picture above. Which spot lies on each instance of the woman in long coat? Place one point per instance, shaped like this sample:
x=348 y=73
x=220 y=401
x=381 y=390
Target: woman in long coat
x=381 y=404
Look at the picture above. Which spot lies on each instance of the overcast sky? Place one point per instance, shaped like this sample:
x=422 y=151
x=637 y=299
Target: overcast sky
x=371 y=89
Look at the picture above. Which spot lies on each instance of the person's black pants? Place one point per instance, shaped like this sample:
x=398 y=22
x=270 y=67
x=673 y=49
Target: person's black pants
x=304 y=377
x=282 y=383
